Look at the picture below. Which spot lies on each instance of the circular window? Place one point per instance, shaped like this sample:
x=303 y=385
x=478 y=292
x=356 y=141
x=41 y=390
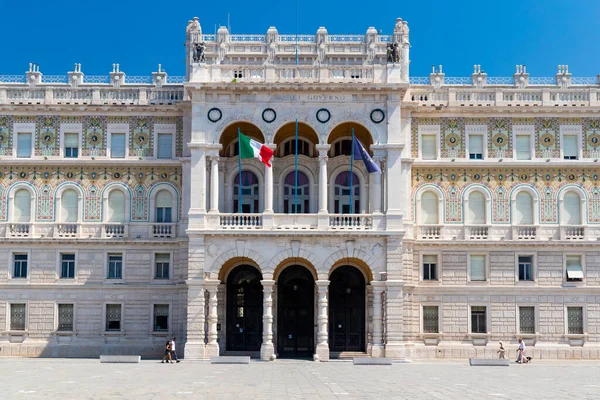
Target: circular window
x=214 y=115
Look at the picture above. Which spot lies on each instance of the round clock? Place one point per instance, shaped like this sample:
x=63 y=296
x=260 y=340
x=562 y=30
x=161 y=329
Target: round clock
x=214 y=115
x=323 y=115
x=269 y=115
x=377 y=115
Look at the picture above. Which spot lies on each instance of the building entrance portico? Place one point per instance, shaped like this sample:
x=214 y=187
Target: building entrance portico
x=295 y=316
x=347 y=310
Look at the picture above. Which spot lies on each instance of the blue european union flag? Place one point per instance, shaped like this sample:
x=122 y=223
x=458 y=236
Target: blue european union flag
x=361 y=154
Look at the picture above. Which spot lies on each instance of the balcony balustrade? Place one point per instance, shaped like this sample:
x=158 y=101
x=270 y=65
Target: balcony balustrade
x=241 y=221
x=162 y=230
x=524 y=232
x=430 y=232
x=478 y=232
x=114 y=231
x=350 y=221
x=20 y=230
x=67 y=230
x=572 y=232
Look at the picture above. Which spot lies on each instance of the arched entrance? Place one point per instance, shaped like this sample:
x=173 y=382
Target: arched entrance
x=295 y=312
x=244 y=309
x=346 y=310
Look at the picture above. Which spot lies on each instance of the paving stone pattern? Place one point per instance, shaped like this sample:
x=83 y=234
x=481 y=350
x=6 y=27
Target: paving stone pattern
x=291 y=379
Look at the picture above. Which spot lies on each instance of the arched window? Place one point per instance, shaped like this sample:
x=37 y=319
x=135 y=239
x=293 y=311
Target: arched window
x=116 y=206
x=341 y=148
x=250 y=190
x=524 y=209
x=429 y=209
x=69 y=209
x=289 y=148
x=477 y=215
x=572 y=209
x=22 y=204
x=164 y=206
x=341 y=193
x=290 y=197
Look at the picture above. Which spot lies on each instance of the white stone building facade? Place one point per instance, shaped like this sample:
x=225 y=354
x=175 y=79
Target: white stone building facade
x=119 y=202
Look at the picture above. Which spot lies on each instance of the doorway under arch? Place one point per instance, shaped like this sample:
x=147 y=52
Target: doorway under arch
x=295 y=313
x=347 y=310
x=244 y=309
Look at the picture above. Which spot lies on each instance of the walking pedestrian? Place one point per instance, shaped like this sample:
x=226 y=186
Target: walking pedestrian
x=521 y=352
x=167 y=355
x=501 y=350
x=173 y=352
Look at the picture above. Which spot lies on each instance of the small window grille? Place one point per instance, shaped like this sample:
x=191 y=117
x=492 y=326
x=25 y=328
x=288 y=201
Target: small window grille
x=65 y=317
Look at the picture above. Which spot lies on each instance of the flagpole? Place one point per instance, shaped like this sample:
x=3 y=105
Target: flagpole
x=352 y=174
x=239 y=171
x=296 y=33
x=296 y=173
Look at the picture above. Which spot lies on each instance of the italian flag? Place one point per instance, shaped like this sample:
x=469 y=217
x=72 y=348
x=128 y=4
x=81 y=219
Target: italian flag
x=250 y=148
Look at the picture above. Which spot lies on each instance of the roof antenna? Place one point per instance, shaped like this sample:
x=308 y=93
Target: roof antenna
x=228 y=24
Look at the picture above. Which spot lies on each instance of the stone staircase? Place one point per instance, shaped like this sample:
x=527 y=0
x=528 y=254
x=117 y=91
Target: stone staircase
x=347 y=355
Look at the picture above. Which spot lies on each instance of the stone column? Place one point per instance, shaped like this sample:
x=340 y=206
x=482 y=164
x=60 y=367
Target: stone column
x=269 y=187
x=323 y=149
x=197 y=210
x=214 y=184
x=394 y=346
x=196 y=332
x=267 y=351
x=212 y=347
x=377 y=349
x=377 y=189
x=322 y=353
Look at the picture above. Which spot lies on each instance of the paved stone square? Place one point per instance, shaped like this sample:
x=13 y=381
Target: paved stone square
x=22 y=378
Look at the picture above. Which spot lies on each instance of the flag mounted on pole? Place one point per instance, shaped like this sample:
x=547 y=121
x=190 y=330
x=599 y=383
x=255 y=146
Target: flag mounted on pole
x=250 y=148
x=360 y=153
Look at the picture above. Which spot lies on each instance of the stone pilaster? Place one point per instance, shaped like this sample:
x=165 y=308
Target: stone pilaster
x=196 y=332
x=214 y=184
x=394 y=346
x=322 y=352
x=377 y=348
x=212 y=346
x=267 y=350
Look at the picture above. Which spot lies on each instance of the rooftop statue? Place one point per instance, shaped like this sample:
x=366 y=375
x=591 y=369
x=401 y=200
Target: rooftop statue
x=199 y=52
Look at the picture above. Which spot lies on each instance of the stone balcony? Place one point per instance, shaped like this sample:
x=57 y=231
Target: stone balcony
x=452 y=232
x=91 y=230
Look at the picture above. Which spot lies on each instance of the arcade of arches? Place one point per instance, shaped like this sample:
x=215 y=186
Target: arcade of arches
x=295 y=314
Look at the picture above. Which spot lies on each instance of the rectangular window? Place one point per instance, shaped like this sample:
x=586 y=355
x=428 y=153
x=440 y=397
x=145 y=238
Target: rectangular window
x=570 y=147
x=161 y=318
x=476 y=147
x=17 y=317
x=117 y=145
x=429 y=268
x=165 y=145
x=20 y=266
x=527 y=319
x=115 y=266
x=428 y=147
x=523 y=147
x=478 y=268
x=431 y=319
x=574 y=270
x=575 y=320
x=24 y=145
x=67 y=266
x=163 y=214
x=71 y=145
x=113 y=317
x=525 y=268
x=478 y=319
x=162 y=266
x=65 y=317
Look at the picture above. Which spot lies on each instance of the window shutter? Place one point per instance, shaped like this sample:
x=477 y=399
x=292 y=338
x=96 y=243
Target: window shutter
x=116 y=206
x=71 y=140
x=429 y=208
x=476 y=144
x=572 y=207
x=117 y=145
x=165 y=143
x=163 y=258
x=570 y=145
x=477 y=208
x=430 y=259
x=164 y=199
x=24 y=145
x=478 y=268
x=524 y=209
x=69 y=202
x=428 y=148
x=523 y=147
x=22 y=206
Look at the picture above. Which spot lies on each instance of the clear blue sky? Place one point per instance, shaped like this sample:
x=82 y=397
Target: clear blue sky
x=457 y=34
